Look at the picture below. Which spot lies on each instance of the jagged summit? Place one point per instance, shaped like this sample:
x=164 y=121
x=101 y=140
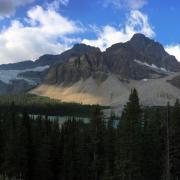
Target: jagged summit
x=138 y=37
x=137 y=59
x=80 y=47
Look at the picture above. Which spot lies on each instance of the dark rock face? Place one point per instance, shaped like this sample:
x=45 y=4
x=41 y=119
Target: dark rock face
x=17 y=86
x=78 y=67
x=120 y=58
x=153 y=52
x=136 y=59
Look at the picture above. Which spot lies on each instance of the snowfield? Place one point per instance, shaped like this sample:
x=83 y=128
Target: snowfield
x=7 y=76
x=153 y=66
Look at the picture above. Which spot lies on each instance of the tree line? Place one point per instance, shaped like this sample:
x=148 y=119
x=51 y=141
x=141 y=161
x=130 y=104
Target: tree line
x=143 y=145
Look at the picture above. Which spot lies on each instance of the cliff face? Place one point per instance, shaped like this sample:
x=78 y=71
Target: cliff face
x=84 y=74
x=106 y=78
x=136 y=59
x=79 y=67
x=22 y=76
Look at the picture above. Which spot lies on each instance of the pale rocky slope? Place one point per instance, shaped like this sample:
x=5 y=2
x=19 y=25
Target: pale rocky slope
x=112 y=91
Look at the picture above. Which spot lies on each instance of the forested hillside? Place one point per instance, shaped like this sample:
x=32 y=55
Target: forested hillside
x=37 y=105
x=145 y=145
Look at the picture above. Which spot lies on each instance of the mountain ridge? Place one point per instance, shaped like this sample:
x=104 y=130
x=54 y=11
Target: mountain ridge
x=48 y=59
x=86 y=74
x=126 y=60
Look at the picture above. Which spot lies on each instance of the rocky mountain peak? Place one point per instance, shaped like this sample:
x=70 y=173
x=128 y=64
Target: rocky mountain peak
x=137 y=59
x=83 y=48
x=147 y=46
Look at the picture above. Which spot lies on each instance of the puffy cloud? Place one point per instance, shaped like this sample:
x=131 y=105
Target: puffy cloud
x=130 y=4
x=45 y=31
x=50 y=22
x=8 y=7
x=174 y=50
x=137 y=22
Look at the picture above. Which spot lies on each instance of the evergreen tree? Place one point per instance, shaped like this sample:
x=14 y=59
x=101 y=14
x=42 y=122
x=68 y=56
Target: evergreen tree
x=97 y=135
x=1 y=142
x=43 y=160
x=175 y=142
x=167 y=173
x=26 y=137
x=151 y=146
x=55 y=151
x=130 y=140
x=110 y=147
x=10 y=147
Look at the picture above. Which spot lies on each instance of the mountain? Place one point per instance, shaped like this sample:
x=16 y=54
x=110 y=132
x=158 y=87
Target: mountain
x=137 y=59
x=107 y=77
x=48 y=59
x=31 y=73
x=85 y=74
x=140 y=58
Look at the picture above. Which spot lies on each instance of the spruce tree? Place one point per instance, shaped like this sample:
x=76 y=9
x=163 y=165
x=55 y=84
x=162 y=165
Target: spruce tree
x=55 y=151
x=151 y=145
x=175 y=142
x=10 y=147
x=97 y=133
x=1 y=142
x=110 y=147
x=130 y=140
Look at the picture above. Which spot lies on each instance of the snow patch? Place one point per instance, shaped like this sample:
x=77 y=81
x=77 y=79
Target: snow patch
x=153 y=66
x=7 y=76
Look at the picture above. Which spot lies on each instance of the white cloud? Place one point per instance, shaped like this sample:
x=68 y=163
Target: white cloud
x=57 y=3
x=137 y=22
x=8 y=7
x=174 y=50
x=43 y=32
x=130 y=4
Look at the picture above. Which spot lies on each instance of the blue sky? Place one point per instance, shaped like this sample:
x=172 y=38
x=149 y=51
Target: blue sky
x=31 y=28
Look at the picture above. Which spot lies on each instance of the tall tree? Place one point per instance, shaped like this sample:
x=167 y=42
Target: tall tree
x=151 y=145
x=130 y=127
x=110 y=147
x=10 y=147
x=1 y=142
x=97 y=133
x=55 y=151
x=175 y=142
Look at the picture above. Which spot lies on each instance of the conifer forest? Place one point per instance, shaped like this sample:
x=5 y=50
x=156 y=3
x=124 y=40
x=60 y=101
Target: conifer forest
x=143 y=144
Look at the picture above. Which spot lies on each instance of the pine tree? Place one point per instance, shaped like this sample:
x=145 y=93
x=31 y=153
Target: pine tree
x=1 y=142
x=27 y=144
x=55 y=151
x=151 y=145
x=10 y=146
x=130 y=140
x=167 y=144
x=43 y=166
x=97 y=133
x=175 y=142
x=110 y=147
